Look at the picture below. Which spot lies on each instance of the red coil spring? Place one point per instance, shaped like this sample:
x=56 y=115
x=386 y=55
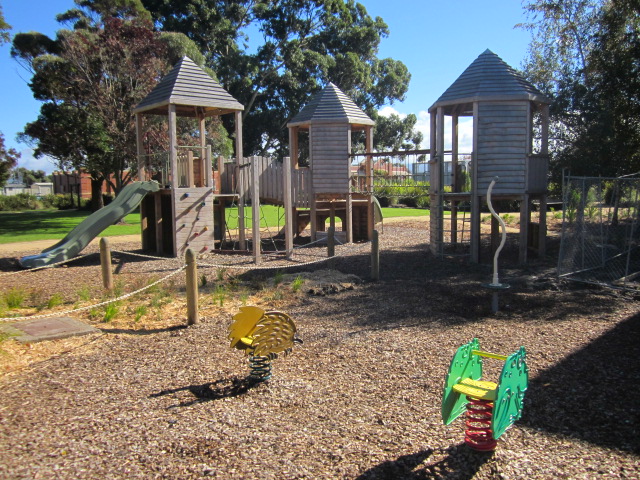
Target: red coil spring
x=478 y=434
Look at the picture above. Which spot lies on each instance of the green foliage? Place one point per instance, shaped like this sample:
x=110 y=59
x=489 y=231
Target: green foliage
x=585 y=56
x=393 y=133
x=278 y=277
x=8 y=156
x=15 y=297
x=301 y=46
x=111 y=311
x=4 y=29
x=139 y=312
x=89 y=79
x=297 y=283
x=220 y=295
x=84 y=293
x=203 y=280
x=55 y=300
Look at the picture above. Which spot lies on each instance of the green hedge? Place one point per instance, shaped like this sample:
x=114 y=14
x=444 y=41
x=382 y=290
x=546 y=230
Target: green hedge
x=27 y=201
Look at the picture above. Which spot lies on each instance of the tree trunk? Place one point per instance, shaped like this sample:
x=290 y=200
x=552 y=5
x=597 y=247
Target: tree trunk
x=97 y=202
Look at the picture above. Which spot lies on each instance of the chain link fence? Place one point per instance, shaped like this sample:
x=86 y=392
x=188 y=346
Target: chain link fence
x=600 y=241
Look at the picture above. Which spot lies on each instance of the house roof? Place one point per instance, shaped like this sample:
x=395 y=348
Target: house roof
x=489 y=78
x=192 y=90
x=330 y=105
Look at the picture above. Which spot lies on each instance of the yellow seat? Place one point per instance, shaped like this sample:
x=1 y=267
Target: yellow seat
x=477 y=389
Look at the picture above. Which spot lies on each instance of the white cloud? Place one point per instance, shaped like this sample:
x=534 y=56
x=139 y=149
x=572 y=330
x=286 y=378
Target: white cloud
x=388 y=111
x=28 y=161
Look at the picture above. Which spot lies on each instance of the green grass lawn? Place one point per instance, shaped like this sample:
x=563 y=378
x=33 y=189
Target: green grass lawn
x=55 y=224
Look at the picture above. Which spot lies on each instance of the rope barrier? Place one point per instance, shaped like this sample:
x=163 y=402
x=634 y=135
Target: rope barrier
x=106 y=302
x=5 y=274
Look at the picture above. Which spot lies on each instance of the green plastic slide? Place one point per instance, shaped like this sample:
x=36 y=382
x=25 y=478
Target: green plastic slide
x=78 y=238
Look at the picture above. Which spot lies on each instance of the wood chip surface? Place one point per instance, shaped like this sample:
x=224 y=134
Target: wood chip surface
x=360 y=399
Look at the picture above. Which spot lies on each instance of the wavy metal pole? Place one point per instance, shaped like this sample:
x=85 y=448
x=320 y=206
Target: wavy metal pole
x=496 y=282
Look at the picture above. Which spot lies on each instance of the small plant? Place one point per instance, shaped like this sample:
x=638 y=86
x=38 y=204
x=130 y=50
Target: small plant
x=297 y=283
x=55 y=300
x=277 y=279
x=557 y=215
x=203 y=280
x=110 y=312
x=118 y=289
x=220 y=274
x=244 y=298
x=15 y=297
x=219 y=295
x=94 y=313
x=84 y=293
x=139 y=312
x=508 y=218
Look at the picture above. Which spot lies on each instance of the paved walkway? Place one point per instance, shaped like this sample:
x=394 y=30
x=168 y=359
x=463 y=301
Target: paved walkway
x=39 y=245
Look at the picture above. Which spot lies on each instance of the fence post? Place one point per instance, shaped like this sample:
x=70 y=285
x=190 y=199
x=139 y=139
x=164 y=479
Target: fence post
x=375 y=256
x=331 y=242
x=192 y=287
x=105 y=263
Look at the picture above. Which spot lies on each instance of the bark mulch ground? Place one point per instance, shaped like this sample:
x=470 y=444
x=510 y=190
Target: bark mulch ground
x=360 y=399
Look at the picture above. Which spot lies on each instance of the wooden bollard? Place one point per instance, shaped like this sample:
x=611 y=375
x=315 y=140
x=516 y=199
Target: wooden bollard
x=331 y=242
x=105 y=263
x=192 y=287
x=375 y=256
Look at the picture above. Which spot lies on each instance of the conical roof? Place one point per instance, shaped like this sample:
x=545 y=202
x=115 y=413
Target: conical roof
x=330 y=105
x=187 y=86
x=489 y=78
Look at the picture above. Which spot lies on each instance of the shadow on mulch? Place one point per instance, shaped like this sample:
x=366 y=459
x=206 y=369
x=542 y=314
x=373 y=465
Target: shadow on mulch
x=150 y=331
x=223 y=388
x=461 y=463
x=593 y=393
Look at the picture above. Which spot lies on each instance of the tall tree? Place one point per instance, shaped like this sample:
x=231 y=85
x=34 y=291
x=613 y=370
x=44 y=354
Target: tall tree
x=304 y=45
x=89 y=79
x=395 y=133
x=4 y=29
x=8 y=160
x=584 y=54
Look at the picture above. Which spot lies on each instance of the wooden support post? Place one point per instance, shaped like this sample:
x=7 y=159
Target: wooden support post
x=375 y=256
x=157 y=204
x=240 y=181
x=192 y=287
x=525 y=218
x=190 y=175
x=331 y=241
x=255 y=207
x=349 y=218
x=476 y=196
x=371 y=222
x=142 y=176
x=288 y=207
x=105 y=263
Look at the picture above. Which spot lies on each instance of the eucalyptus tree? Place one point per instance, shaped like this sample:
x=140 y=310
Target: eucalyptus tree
x=273 y=55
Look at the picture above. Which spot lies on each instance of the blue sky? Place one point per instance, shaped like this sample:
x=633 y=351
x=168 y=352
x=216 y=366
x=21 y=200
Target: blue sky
x=437 y=40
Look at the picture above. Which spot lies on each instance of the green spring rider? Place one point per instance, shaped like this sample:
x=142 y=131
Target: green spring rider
x=490 y=408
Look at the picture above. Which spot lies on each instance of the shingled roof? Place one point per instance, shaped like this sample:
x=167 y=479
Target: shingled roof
x=489 y=78
x=330 y=105
x=188 y=86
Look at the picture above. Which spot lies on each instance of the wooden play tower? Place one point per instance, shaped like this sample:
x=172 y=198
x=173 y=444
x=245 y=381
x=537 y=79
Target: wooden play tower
x=181 y=214
x=329 y=120
x=510 y=141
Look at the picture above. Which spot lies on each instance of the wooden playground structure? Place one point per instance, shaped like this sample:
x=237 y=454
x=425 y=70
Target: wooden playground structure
x=318 y=183
x=189 y=209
